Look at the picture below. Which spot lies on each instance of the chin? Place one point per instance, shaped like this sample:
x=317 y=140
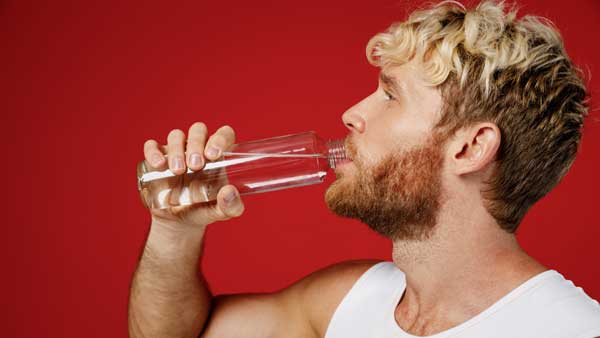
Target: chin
x=338 y=192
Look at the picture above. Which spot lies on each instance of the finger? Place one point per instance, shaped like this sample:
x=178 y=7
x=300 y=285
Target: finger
x=175 y=146
x=219 y=142
x=195 y=145
x=198 y=189
x=229 y=202
x=153 y=155
x=174 y=195
x=204 y=186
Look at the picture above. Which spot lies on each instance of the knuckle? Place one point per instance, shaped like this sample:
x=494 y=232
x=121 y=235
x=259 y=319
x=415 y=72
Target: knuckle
x=217 y=140
x=198 y=127
x=217 y=213
x=149 y=143
x=239 y=210
x=227 y=129
x=150 y=146
x=176 y=134
x=195 y=141
x=228 y=132
x=194 y=147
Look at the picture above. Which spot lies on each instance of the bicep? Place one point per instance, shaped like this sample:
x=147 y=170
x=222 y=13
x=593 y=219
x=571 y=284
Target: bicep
x=303 y=309
x=257 y=315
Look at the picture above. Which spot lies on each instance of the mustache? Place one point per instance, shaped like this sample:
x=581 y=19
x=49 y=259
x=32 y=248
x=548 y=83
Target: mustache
x=350 y=145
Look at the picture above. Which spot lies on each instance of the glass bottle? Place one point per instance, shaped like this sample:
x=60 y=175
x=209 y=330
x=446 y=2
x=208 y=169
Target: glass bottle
x=252 y=167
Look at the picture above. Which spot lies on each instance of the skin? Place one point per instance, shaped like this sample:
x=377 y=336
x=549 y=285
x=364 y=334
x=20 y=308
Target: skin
x=465 y=265
x=468 y=262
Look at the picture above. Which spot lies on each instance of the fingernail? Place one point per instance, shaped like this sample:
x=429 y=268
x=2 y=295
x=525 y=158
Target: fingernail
x=195 y=160
x=157 y=160
x=178 y=163
x=212 y=152
x=230 y=197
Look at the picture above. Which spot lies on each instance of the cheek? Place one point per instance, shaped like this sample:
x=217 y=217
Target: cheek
x=377 y=144
x=388 y=133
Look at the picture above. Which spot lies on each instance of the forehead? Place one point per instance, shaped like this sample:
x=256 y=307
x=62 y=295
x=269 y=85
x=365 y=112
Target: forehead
x=408 y=76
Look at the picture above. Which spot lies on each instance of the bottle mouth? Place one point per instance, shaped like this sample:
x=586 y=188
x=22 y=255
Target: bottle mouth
x=336 y=153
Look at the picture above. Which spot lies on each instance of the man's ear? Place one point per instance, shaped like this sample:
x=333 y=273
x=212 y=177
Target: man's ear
x=474 y=147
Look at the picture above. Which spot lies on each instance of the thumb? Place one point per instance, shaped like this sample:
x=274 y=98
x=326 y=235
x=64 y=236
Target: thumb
x=229 y=203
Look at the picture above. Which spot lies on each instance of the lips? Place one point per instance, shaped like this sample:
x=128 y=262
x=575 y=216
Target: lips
x=343 y=161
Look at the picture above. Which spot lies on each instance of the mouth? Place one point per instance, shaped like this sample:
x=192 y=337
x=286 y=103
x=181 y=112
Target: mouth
x=344 y=158
x=347 y=153
x=338 y=153
x=342 y=161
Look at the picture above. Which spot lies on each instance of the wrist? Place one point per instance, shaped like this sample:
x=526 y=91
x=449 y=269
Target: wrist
x=171 y=241
x=173 y=227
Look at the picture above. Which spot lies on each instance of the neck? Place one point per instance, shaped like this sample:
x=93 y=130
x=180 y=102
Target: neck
x=462 y=269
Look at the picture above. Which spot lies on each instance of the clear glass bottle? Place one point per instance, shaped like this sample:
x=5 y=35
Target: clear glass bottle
x=252 y=167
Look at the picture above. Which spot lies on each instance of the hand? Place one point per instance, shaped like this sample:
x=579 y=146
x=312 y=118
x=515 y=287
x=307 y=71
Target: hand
x=193 y=154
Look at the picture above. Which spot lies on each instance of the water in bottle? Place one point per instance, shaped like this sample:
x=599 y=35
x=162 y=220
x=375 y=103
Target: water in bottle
x=252 y=167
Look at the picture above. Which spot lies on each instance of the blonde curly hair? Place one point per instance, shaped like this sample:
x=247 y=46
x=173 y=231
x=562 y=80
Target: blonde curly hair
x=491 y=66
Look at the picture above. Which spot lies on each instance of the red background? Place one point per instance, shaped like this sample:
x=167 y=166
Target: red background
x=85 y=83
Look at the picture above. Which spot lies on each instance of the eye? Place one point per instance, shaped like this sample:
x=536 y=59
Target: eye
x=388 y=96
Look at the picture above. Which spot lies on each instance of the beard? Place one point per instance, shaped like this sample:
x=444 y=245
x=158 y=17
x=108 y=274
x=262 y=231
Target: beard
x=399 y=197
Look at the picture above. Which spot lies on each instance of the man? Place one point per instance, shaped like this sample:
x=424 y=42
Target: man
x=476 y=117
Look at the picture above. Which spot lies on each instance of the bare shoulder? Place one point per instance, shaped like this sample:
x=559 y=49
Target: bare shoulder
x=337 y=277
x=324 y=289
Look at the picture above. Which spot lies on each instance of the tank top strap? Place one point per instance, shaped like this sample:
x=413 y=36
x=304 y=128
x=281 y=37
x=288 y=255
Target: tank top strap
x=371 y=300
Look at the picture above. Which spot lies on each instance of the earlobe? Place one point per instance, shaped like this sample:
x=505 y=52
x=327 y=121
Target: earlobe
x=476 y=148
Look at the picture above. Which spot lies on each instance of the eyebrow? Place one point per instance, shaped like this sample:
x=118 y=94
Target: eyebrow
x=390 y=82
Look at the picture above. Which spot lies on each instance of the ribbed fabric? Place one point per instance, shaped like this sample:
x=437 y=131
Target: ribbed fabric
x=547 y=305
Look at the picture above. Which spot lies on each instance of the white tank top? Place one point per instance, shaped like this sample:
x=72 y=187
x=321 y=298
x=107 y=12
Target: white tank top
x=546 y=306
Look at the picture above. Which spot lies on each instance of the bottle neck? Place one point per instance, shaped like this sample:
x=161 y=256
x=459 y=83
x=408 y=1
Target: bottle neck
x=336 y=152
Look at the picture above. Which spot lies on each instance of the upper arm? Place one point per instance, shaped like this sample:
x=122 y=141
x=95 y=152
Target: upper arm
x=255 y=315
x=303 y=309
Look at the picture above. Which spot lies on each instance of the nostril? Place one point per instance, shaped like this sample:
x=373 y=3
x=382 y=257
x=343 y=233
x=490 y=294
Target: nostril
x=353 y=121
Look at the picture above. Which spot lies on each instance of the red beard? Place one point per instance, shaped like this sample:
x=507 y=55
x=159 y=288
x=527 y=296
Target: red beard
x=399 y=197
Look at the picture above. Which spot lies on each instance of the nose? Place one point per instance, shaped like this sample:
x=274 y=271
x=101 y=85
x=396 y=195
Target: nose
x=353 y=121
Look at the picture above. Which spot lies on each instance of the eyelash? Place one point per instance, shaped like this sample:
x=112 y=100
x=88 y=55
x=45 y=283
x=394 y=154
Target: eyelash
x=389 y=96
